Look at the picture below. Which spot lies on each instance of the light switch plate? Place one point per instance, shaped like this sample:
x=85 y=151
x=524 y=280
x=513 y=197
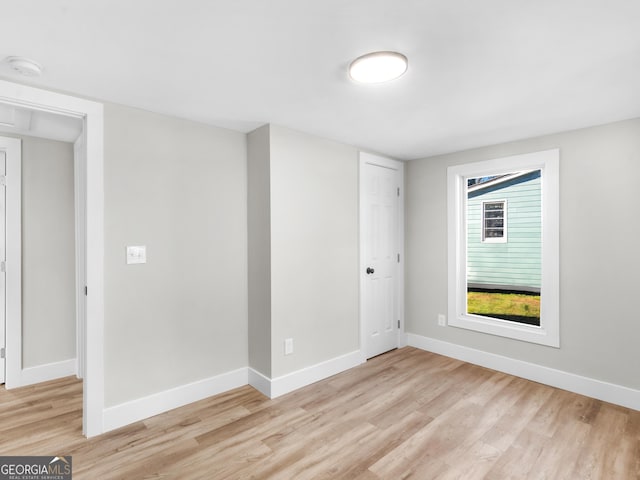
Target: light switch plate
x=136 y=254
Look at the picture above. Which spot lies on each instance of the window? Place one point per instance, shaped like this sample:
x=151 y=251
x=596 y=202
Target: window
x=504 y=247
x=494 y=227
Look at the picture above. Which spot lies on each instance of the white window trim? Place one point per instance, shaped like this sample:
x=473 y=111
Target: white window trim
x=502 y=239
x=548 y=333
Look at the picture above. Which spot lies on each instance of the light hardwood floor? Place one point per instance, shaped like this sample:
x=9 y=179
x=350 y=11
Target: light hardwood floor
x=405 y=414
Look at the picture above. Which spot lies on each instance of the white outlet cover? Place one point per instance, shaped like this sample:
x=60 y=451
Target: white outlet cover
x=288 y=346
x=136 y=254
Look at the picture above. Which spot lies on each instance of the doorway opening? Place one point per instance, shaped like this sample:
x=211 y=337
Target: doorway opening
x=44 y=236
x=88 y=223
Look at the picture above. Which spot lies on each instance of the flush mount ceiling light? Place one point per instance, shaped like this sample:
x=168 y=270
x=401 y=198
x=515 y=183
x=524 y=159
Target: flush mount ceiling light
x=378 y=67
x=24 y=66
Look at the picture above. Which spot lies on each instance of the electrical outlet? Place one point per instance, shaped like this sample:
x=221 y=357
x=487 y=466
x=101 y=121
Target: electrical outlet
x=442 y=320
x=288 y=346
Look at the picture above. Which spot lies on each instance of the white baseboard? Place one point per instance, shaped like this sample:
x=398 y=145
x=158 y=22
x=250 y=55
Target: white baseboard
x=260 y=382
x=306 y=376
x=608 y=392
x=139 y=409
x=44 y=373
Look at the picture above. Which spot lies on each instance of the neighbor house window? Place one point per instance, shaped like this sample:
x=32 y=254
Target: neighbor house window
x=494 y=226
x=504 y=247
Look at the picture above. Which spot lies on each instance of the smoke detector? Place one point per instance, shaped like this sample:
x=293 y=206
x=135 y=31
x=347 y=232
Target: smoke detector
x=24 y=66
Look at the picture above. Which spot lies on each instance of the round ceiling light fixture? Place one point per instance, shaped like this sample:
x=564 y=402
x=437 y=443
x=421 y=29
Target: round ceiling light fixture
x=378 y=67
x=24 y=66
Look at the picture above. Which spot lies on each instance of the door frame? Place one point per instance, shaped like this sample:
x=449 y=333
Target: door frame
x=80 y=206
x=377 y=160
x=13 y=242
x=93 y=127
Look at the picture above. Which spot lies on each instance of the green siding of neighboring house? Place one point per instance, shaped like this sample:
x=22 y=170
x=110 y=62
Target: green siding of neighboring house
x=516 y=263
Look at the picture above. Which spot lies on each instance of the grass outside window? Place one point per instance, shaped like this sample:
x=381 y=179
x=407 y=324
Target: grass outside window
x=516 y=307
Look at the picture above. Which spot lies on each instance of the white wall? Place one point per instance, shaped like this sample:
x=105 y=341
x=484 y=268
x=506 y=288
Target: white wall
x=180 y=188
x=314 y=249
x=48 y=252
x=599 y=263
x=259 y=252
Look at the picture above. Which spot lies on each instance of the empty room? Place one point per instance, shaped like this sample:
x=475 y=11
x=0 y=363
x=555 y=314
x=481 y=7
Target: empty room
x=338 y=239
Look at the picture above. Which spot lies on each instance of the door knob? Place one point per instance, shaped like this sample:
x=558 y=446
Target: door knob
x=370 y=270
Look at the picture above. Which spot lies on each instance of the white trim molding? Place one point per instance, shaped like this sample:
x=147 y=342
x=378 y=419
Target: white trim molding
x=49 y=371
x=284 y=384
x=141 y=408
x=13 y=256
x=93 y=118
x=260 y=382
x=80 y=206
x=135 y=410
x=92 y=115
x=608 y=392
x=548 y=332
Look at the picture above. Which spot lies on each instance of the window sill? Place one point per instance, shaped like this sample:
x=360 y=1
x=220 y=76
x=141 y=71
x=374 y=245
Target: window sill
x=541 y=335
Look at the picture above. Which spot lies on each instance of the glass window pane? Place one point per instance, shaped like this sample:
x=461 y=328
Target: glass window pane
x=494 y=222
x=504 y=273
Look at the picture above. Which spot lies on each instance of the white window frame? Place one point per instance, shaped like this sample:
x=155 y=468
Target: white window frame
x=503 y=238
x=548 y=333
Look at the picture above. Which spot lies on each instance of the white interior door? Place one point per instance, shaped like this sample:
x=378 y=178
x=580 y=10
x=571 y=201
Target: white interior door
x=3 y=289
x=380 y=253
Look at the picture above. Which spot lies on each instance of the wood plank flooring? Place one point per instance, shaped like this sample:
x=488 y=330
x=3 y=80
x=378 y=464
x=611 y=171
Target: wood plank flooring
x=405 y=414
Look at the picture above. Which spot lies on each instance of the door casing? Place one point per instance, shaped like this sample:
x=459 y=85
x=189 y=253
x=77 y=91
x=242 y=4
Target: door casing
x=13 y=256
x=91 y=114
